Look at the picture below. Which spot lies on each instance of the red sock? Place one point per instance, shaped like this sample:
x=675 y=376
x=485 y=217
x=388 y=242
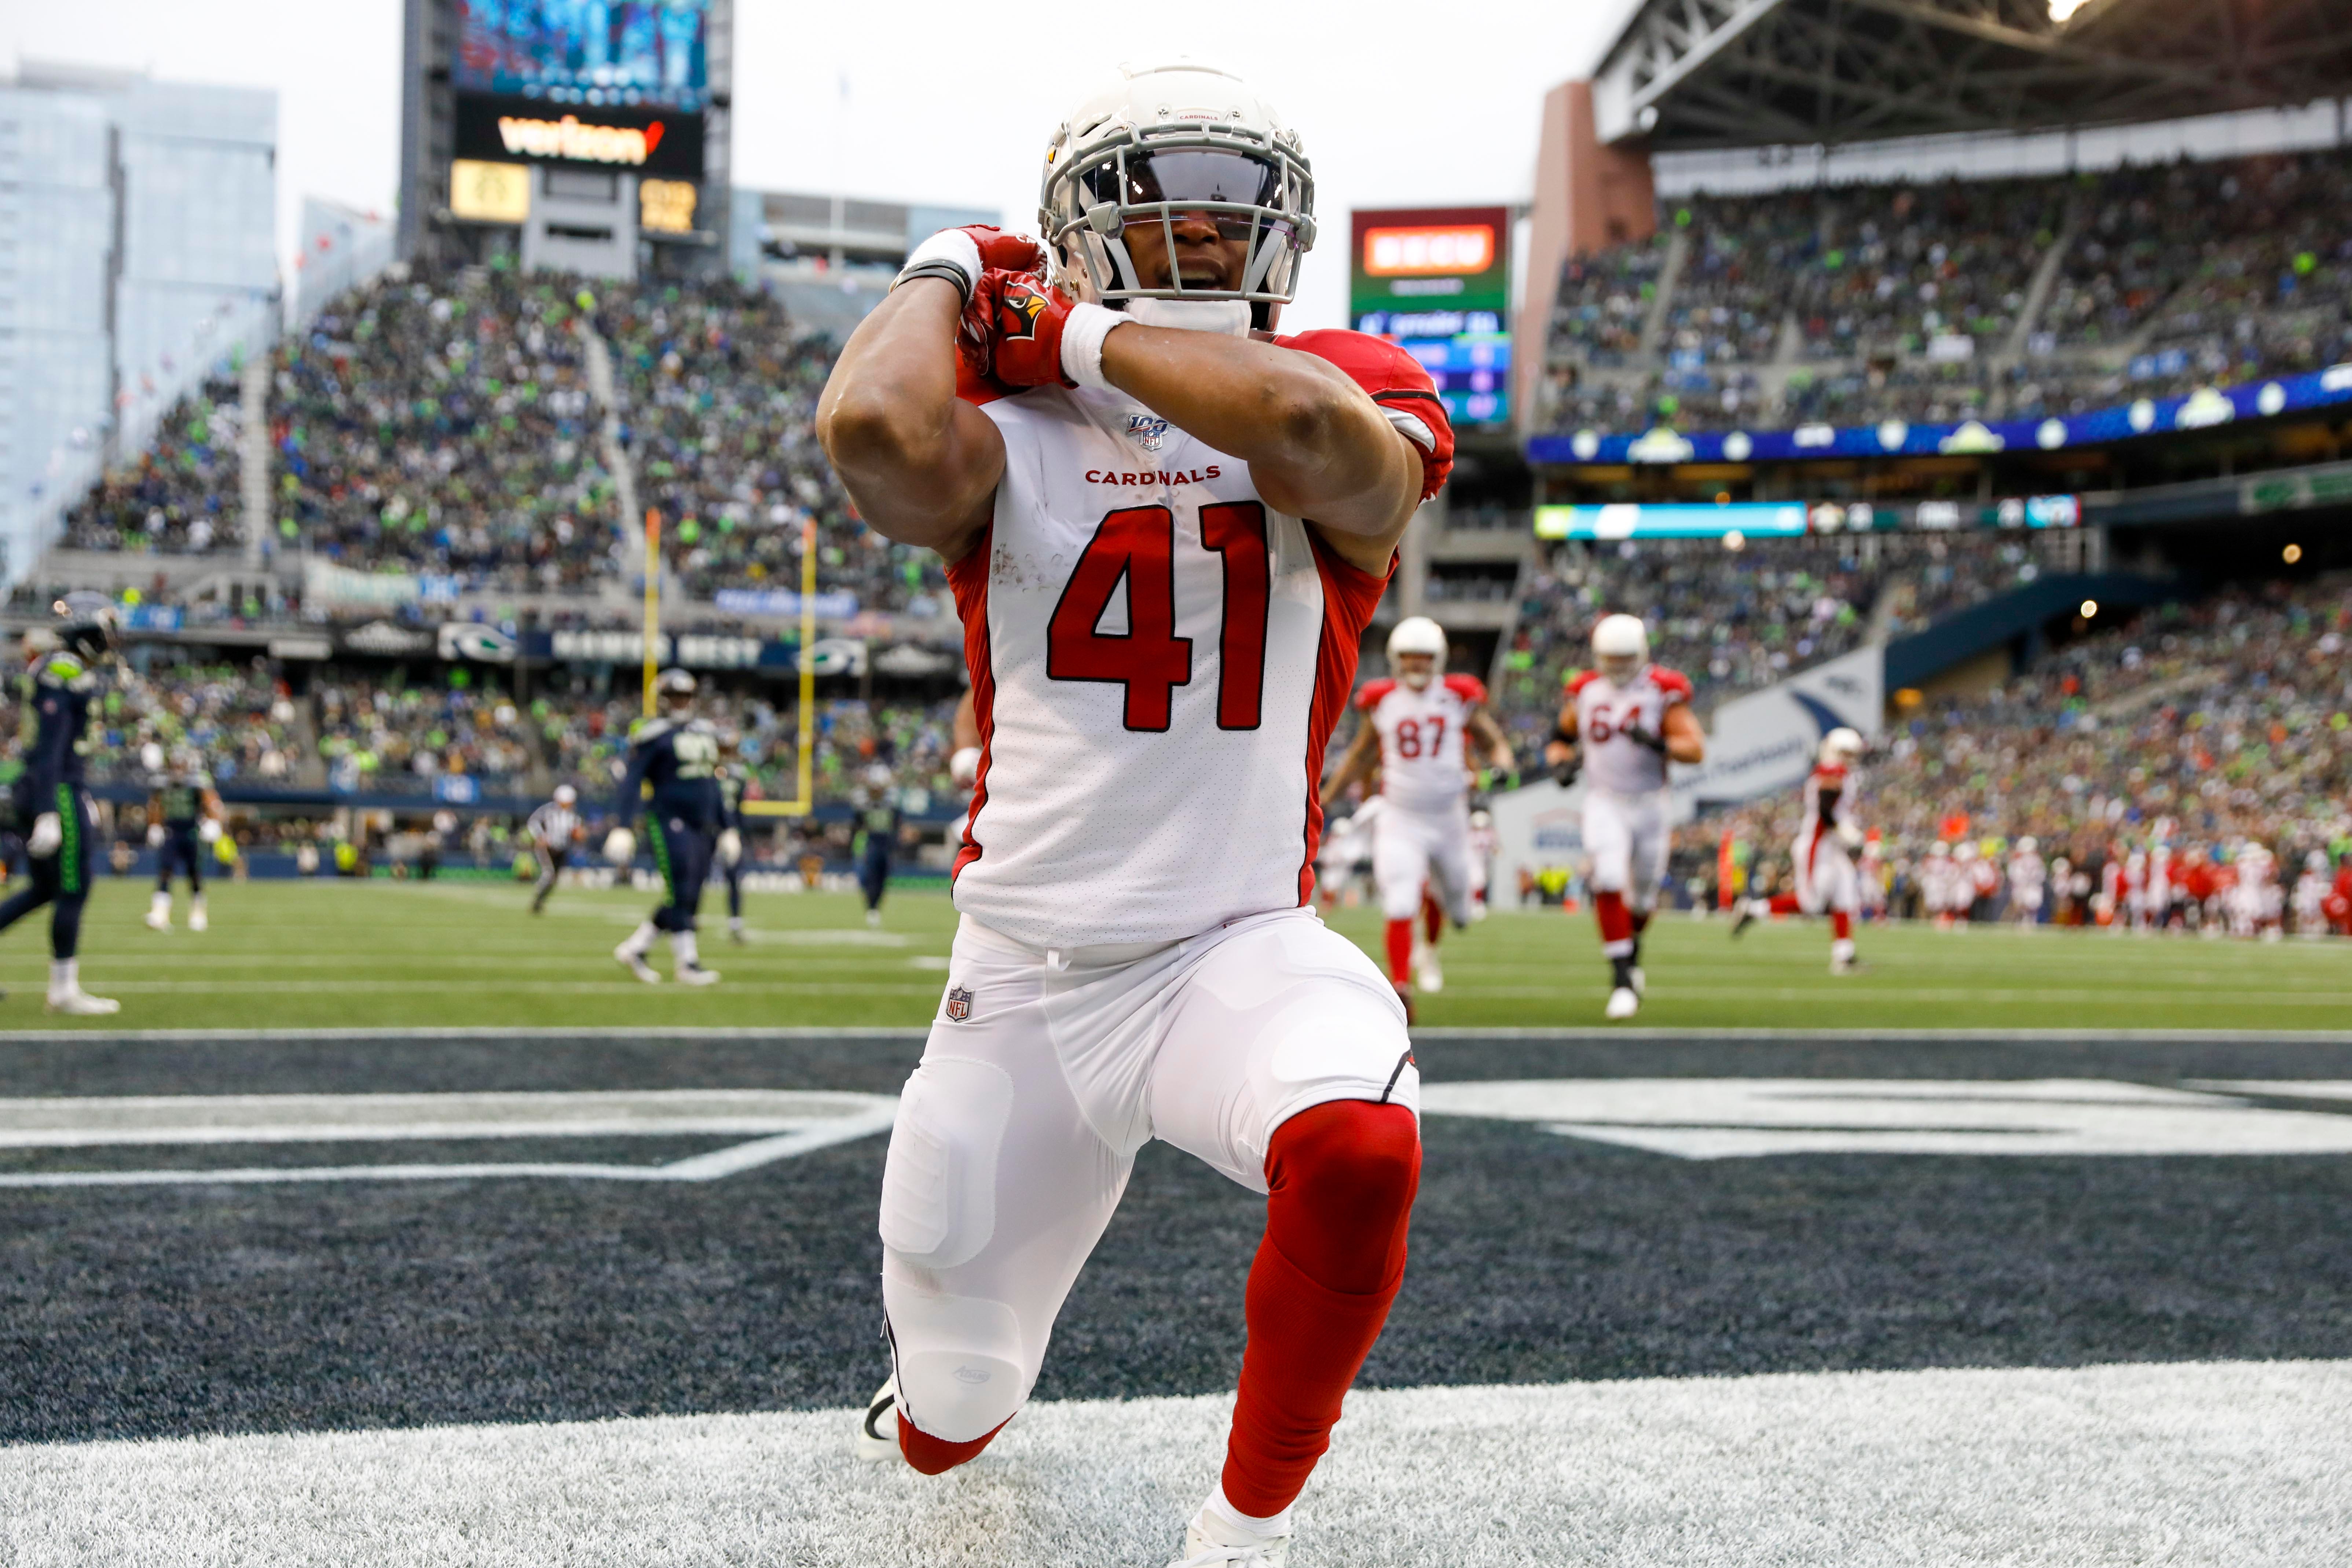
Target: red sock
x=932 y=1455
x=1342 y=1178
x=1432 y=918
x=1784 y=904
x=1400 y=951
x=1616 y=925
x=1841 y=924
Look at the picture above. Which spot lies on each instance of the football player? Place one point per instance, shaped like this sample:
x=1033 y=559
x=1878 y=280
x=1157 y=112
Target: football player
x=1159 y=645
x=183 y=811
x=552 y=830
x=1825 y=878
x=2027 y=881
x=734 y=780
x=1417 y=726
x=875 y=807
x=673 y=776
x=1622 y=724
x=51 y=797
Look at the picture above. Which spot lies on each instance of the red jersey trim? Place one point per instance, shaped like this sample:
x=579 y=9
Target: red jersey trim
x=1468 y=687
x=1374 y=693
x=1673 y=682
x=1581 y=679
x=1350 y=594
x=968 y=578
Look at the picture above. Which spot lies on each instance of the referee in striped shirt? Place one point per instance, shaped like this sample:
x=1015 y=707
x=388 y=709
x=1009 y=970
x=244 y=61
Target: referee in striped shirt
x=553 y=829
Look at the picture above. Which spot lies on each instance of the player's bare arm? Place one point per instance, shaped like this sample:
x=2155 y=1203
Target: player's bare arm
x=1318 y=446
x=1362 y=755
x=1684 y=741
x=1489 y=734
x=1562 y=752
x=921 y=465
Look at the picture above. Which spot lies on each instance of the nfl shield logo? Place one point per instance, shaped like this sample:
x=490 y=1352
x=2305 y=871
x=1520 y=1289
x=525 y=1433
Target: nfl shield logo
x=958 y=1005
x=1147 y=430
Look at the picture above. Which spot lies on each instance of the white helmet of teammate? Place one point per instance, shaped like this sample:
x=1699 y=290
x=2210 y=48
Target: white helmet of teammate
x=565 y=794
x=676 y=689
x=1620 y=646
x=1161 y=141
x=2029 y=845
x=2315 y=861
x=1967 y=849
x=1841 y=746
x=1417 y=634
x=1941 y=851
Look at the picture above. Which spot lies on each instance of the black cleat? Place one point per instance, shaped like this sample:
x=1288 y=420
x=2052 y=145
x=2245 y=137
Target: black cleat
x=1747 y=918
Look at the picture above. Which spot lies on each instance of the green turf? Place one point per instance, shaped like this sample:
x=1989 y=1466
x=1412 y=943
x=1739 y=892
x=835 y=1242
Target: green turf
x=341 y=954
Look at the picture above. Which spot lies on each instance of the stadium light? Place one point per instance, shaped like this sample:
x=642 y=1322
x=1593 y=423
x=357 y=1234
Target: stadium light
x=2292 y=553
x=2063 y=11
x=2090 y=608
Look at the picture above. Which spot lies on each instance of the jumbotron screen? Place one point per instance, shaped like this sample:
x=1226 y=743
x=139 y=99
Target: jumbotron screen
x=1438 y=282
x=601 y=53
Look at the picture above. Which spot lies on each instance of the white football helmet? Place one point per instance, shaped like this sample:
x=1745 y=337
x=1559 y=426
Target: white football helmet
x=1417 y=634
x=1841 y=746
x=565 y=794
x=2029 y=845
x=1161 y=141
x=1620 y=646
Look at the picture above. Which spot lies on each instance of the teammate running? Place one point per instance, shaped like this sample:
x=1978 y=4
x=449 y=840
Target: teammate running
x=1416 y=731
x=673 y=767
x=552 y=830
x=184 y=813
x=1823 y=857
x=734 y=779
x=51 y=797
x=1621 y=726
x=1160 y=646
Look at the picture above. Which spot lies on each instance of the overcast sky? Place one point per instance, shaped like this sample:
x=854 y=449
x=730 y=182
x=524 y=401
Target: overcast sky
x=929 y=101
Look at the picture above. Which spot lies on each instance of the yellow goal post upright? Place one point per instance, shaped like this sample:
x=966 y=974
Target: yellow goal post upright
x=805 y=800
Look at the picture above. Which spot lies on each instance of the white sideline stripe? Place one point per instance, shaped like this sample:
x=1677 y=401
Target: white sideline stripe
x=1561 y=1034
x=2280 y=1087
x=2111 y=1467
x=712 y=1166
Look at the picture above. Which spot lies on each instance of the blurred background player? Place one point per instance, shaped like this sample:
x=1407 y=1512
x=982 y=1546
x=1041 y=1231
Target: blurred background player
x=734 y=778
x=184 y=818
x=2027 y=881
x=51 y=797
x=1622 y=724
x=552 y=830
x=673 y=775
x=1417 y=729
x=1483 y=844
x=1826 y=879
x=878 y=821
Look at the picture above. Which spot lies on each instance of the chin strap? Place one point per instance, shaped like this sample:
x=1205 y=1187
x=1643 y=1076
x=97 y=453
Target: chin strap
x=1230 y=316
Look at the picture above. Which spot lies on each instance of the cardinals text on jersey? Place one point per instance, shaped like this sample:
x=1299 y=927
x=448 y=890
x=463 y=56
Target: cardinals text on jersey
x=1423 y=764
x=1158 y=659
x=1606 y=717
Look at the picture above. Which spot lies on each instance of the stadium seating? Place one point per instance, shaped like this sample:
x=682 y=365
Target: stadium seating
x=1851 y=305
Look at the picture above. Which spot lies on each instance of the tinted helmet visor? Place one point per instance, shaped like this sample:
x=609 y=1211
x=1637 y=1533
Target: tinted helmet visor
x=1184 y=179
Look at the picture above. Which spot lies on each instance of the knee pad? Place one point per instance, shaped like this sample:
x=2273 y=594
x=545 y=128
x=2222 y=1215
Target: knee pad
x=1342 y=1178
x=938 y=1183
x=962 y=1370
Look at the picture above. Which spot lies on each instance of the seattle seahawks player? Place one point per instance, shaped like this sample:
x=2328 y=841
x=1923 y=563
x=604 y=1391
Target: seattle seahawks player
x=50 y=794
x=734 y=778
x=673 y=776
x=183 y=811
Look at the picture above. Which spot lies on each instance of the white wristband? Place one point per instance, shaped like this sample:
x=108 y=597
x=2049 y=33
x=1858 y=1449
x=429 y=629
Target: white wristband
x=950 y=248
x=1083 y=332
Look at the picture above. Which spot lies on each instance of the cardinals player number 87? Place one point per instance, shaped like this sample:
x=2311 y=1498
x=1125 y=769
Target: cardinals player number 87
x=1115 y=455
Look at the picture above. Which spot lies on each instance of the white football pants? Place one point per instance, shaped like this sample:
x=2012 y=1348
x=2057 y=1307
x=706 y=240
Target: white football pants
x=1826 y=880
x=1046 y=1072
x=1627 y=837
x=1413 y=851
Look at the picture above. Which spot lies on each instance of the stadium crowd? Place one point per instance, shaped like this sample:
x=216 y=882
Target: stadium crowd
x=1915 y=301
x=2213 y=739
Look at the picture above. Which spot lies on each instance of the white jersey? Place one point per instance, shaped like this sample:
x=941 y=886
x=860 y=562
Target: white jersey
x=1425 y=766
x=1830 y=790
x=2027 y=874
x=1605 y=711
x=1158 y=659
x=553 y=826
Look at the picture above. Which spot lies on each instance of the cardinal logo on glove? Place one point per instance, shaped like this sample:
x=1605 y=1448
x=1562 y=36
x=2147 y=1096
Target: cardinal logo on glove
x=1024 y=304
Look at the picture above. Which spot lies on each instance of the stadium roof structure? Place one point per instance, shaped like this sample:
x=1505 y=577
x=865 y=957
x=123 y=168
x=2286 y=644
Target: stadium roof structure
x=1688 y=74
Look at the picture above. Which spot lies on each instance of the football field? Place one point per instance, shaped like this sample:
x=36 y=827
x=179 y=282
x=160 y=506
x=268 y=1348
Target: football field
x=465 y=953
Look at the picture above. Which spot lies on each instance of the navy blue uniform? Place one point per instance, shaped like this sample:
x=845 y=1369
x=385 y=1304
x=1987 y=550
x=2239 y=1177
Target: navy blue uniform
x=879 y=823
x=62 y=690
x=180 y=799
x=731 y=784
x=680 y=762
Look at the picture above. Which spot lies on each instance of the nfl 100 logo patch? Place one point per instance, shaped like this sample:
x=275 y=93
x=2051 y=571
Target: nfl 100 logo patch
x=958 y=1005
x=1147 y=430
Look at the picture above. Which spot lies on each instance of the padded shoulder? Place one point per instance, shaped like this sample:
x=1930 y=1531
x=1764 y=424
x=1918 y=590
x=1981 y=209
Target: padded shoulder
x=1673 y=682
x=1373 y=694
x=1468 y=687
x=1830 y=773
x=1580 y=680
x=1399 y=384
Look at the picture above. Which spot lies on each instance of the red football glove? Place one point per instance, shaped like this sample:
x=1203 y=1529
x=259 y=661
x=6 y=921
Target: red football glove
x=1008 y=252
x=1012 y=330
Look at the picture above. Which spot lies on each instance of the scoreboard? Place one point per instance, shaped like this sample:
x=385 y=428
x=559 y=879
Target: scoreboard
x=1437 y=280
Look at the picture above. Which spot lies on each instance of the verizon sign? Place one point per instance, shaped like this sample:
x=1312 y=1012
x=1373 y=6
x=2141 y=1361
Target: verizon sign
x=639 y=140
